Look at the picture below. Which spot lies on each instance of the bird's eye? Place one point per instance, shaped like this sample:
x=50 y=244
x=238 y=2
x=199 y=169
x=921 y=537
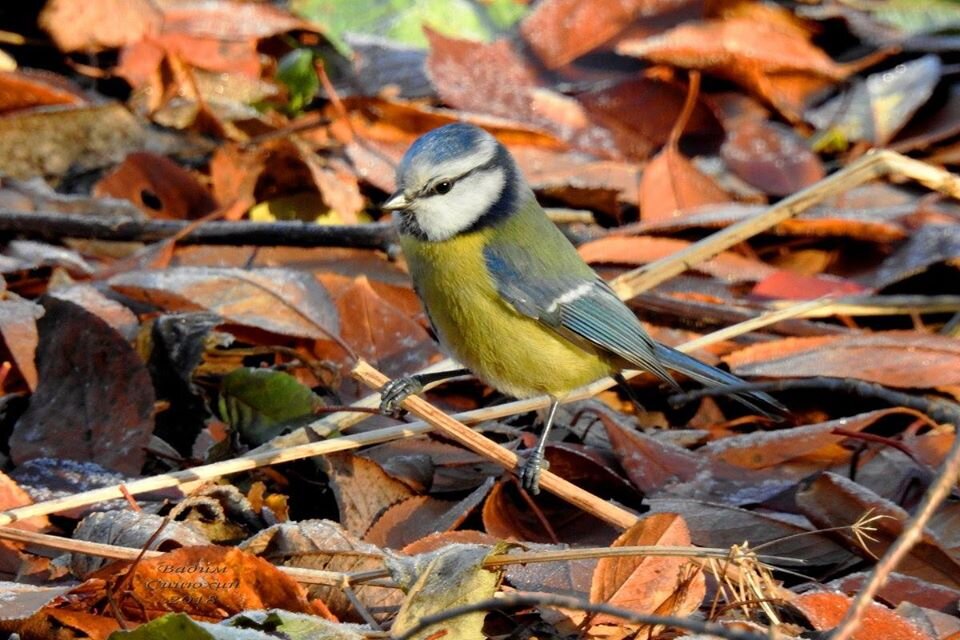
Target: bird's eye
x=443 y=187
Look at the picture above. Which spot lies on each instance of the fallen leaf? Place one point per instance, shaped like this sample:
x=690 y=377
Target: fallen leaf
x=209 y=583
x=27 y=89
x=560 y=31
x=260 y=404
x=771 y=157
x=95 y=398
x=671 y=185
x=639 y=250
x=18 y=327
x=420 y=516
x=777 y=64
x=929 y=245
x=832 y=501
x=325 y=545
x=824 y=610
x=442 y=580
x=281 y=301
x=54 y=478
x=363 y=490
x=903 y=359
x=788 y=285
x=781 y=534
x=157 y=186
x=877 y=108
x=899 y=588
x=76 y=25
x=652 y=585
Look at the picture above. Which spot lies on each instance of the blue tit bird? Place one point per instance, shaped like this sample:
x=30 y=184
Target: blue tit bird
x=508 y=295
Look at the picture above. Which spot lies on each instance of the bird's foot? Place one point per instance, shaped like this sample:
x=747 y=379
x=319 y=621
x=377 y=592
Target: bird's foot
x=396 y=391
x=530 y=471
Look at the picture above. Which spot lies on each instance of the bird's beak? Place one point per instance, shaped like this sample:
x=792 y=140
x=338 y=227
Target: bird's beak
x=396 y=202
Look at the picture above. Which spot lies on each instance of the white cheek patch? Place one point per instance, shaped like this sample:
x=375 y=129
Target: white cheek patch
x=443 y=216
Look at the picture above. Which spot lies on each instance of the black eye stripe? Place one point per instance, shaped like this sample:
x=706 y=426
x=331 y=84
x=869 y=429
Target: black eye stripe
x=431 y=188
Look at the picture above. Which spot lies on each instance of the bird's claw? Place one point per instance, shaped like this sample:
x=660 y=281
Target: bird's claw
x=530 y=471
x=396 y=391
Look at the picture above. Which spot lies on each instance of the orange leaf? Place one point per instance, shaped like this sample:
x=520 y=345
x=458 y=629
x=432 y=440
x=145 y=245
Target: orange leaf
x=671 y=184
x=825 y=610
x=667 y=586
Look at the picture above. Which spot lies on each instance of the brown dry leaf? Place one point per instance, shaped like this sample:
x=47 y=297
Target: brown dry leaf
x=749 y=52
x=824 y=610
x=495 y=79
x=906 y=359
x=376 y=329
x=436 y=541
x=722 y=526
x=639 y=250
x=23 y=90
x=363 y=490
x=671 y=185
x=832 y=500
x=771 y=157
x=509 y=516
x=899 y=588
x=324 y=545
x=617 y=107
x=796 y=451
x=53 y=622
x=419 y=516
x=281 y=301
x=927 y=246
x=49 y=142
x=110 y=311
x=12 y=496
x=561 y=30
x=95 y=397
x=649 y=462
x=77 y=25
x=18 y=327
x=209 y=583
x=157 y=186
x=668 y=586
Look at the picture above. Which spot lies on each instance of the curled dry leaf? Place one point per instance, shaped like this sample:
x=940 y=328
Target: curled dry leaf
x=444 y=579
x=363 y=490
x=110 y=311
x=896 y=358
x=209 y=583
x=133 y=529
x=325 y=545
x=771 y=157
x=668 y=586
x=281 y=301
x=95 y=397
x=776 y=63
x=671 y=185
x=833 y=501
x=929 y=245
x=419 y=516
x=561 y=30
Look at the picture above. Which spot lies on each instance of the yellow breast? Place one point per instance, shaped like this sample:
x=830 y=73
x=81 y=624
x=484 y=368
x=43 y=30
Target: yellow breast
x=511 y=352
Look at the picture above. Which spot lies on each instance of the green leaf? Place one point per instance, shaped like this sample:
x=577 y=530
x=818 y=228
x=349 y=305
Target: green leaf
x=260 y=404
x=403 y=20
x=294 y=626
x=297 y=73
x=916 y=17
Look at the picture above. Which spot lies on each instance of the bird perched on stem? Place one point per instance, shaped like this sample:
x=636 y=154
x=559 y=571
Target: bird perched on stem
x=508 y=295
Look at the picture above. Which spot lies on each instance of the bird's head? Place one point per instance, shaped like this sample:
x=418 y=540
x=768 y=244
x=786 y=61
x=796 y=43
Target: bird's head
x=454 y=180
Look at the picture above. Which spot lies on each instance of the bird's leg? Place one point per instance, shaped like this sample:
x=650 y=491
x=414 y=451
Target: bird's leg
x=625 y=386
x=397 y=390
x=535 y=463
